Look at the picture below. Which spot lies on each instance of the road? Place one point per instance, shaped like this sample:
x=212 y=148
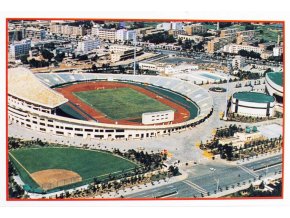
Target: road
x=201 y=180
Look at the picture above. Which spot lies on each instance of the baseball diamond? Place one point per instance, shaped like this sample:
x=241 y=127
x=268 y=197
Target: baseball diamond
x=51 y=167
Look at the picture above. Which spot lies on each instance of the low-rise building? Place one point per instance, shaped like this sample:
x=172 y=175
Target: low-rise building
x=235 y=48
x=194 y=38
x=233 y=141
x=120 y=52
x=157 y=117
x=266 y=54
x=247 y=137
x=183 y=68
x=176 y=32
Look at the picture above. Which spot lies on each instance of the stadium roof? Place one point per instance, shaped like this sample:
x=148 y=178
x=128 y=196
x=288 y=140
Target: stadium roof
x=276 y=77
x=24 y=85
x=254 y=97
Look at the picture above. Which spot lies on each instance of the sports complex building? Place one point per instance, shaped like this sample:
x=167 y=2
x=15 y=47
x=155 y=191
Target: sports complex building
x=274 y=85
x=253 y=104
x=105 y=106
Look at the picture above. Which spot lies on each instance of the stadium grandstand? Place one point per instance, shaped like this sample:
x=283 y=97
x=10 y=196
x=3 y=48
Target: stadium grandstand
x=43 y=103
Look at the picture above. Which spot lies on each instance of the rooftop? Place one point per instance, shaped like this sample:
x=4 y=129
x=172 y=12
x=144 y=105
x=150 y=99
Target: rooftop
x=23 y=84
x=254 y=97
x=276 y=77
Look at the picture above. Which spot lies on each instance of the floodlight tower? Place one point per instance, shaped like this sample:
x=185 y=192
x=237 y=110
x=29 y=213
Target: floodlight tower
x=229 y=66
x=134 y=41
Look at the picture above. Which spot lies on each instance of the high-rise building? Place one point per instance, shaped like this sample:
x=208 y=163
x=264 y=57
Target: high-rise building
x=124 y=34
x=35 y=33
x=67 y=30
x=218 y=43
x=195 y=29
x=105 y=34
x=19 y=49
x=88 y=45
x=238 y=62
x=16 y=34
x=228 y=32
x=277 y=51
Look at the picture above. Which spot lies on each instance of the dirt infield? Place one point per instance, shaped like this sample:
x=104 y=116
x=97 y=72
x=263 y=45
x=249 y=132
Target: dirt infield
x=52 y=178
x=181 y=113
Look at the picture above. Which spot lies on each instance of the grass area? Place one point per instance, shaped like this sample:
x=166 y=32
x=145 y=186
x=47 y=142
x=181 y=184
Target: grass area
x=121 y=103
x=192 y=107
x=211 y=26
x=269 y=33
x=87 y=163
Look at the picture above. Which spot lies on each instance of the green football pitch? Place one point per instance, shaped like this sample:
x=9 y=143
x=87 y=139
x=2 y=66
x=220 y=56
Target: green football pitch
x=121 y=103
x=87 y=163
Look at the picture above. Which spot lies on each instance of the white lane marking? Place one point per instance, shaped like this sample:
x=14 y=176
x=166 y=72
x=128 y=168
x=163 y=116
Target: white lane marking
x=247 y=170
x=195 y=186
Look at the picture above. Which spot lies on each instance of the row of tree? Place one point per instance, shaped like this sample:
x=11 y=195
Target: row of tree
x=158 y=38
x=251 y=54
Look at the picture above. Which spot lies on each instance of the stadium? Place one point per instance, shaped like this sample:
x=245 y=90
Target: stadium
x=105 y=106
x=253 y=104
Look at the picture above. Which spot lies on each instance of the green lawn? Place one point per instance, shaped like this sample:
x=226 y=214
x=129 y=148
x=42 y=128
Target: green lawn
x=87 y=163
x=269 y=33
x=121 y=103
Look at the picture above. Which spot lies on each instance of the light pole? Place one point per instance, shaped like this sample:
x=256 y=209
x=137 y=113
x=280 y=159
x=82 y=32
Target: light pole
x=135 y=41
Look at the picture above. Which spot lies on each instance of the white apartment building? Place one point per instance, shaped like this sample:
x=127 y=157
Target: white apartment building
x=88 y=45
x=238 y=62
x=21 y=48
x=125 y=35
x=176 y=26
x=105 y=34
x=170 y=26
x=277 y=51
x=235 y=48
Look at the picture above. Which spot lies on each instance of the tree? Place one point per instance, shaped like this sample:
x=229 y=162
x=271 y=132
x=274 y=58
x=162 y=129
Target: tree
x=59 y=57
x=23 y=59
x=158 y=38
x=250 y=27
x=47 y=54
x=94 y=68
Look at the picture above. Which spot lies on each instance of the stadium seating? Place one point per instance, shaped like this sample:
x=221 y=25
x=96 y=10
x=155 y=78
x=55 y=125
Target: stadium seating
x=189 y=89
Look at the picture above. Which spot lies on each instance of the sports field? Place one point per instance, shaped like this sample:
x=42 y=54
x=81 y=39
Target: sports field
x=121 y=103
x=36 y=165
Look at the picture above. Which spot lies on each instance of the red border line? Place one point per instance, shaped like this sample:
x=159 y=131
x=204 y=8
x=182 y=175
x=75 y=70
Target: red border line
x=147 y=199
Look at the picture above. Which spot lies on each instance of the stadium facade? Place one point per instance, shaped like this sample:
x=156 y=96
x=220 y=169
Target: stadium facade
x=32 y=103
